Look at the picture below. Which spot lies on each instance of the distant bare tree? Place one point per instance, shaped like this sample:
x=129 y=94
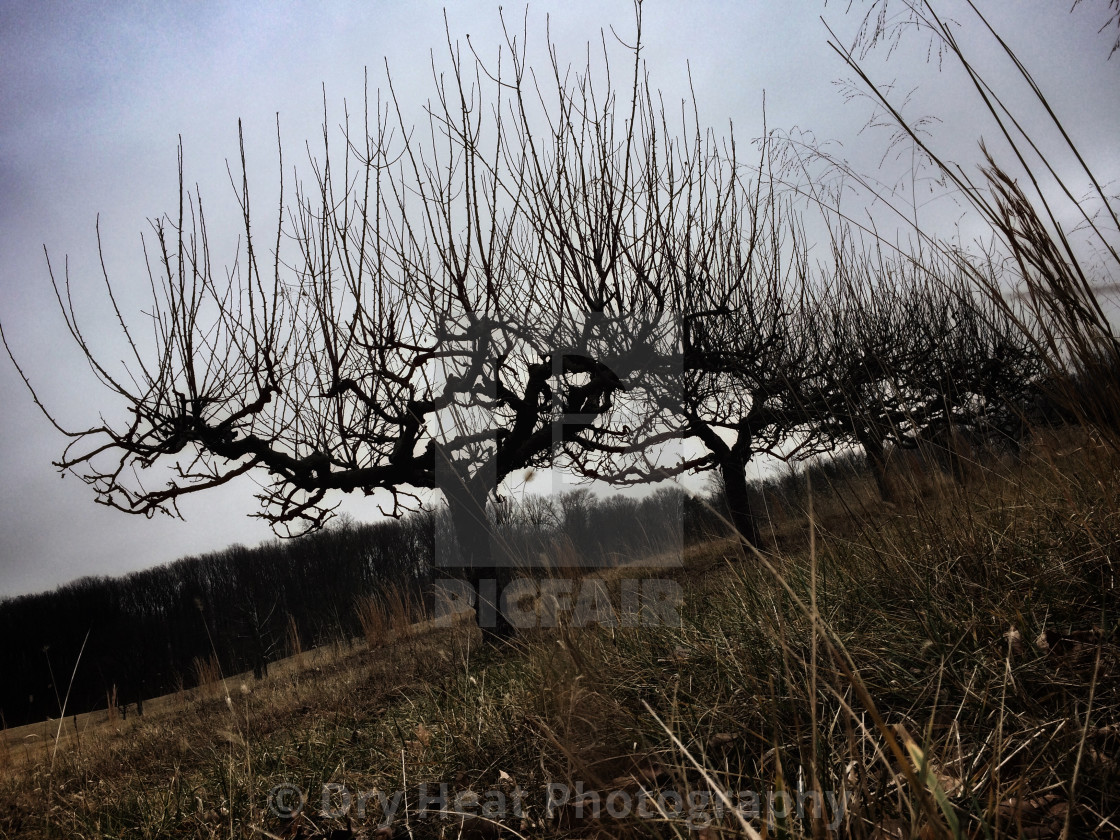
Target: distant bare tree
x=746 y=362
x=724 y=250
x=866 y=344
x=913 y=357
x=741 y=288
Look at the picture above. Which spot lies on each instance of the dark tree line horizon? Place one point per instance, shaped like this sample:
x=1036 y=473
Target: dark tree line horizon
x=147 y=629
x=242 y=604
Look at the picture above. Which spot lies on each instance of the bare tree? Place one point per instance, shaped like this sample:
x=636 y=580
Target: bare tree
x=912 y=357
x=738 y=280
x=437 y=308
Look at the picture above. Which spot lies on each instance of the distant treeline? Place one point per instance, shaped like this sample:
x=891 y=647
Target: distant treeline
x=145 y=632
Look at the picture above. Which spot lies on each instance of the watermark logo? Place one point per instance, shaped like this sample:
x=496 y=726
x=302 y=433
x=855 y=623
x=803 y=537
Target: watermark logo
x=599 y=388
x=565 y=805
x=552 y=602
x=571 y=805
x=286 y=800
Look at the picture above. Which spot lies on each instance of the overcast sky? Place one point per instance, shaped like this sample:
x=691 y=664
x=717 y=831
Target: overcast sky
x=94 y=96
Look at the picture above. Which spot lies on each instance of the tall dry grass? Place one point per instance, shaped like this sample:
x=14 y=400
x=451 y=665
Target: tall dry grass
x=388 y=614
x=208 y=676
x=946 y=668
x=293 y=642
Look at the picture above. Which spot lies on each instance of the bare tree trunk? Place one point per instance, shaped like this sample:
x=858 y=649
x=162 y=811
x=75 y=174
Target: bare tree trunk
x=874 y=448
x=733 y=470
x=467 y=507
x=948 y=446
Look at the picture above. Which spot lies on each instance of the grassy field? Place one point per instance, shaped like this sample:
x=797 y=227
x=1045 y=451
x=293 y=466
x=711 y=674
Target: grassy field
x=946 y=665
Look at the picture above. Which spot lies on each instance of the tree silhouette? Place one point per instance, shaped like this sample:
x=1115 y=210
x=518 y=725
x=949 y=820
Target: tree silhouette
x=435 y=309
x=914 y=358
